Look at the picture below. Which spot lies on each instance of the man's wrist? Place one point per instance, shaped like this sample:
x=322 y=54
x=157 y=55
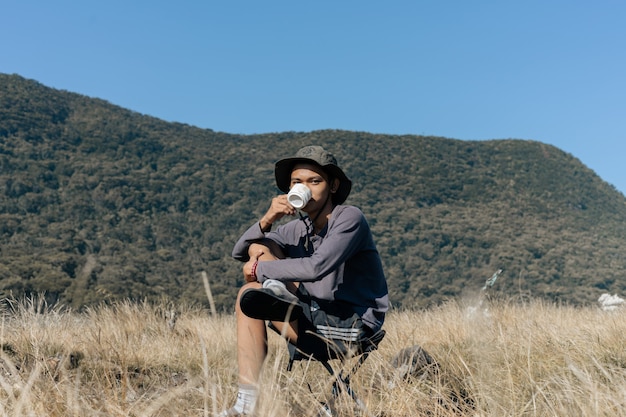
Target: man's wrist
x=265 y=225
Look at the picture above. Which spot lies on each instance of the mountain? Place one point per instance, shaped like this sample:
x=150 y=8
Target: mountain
x=102 y=203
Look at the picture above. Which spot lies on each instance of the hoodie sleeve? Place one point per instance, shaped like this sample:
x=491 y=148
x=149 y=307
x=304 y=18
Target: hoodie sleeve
x=254 y=233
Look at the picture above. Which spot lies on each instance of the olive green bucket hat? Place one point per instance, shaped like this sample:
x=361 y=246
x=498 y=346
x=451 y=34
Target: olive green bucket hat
x=318 y=156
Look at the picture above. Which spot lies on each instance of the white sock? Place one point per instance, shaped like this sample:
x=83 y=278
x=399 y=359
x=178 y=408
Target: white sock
x=246 y=398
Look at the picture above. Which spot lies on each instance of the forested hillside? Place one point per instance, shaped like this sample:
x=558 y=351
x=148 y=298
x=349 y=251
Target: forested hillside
x=101 y=203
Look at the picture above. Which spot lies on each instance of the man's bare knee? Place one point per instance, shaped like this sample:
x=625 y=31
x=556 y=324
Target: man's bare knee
x=271 y=251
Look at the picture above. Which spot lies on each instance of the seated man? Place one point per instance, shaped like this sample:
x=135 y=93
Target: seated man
x=322 y=263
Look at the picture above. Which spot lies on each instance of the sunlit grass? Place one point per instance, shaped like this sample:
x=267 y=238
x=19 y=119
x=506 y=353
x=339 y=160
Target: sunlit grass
x=131 y=359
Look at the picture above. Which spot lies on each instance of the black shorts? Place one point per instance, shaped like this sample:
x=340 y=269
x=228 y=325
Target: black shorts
x=328 y=330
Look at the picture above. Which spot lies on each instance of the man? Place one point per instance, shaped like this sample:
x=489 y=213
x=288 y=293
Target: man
x=319 y=268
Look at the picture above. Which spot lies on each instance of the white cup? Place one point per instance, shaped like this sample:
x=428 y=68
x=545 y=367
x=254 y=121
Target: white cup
x=299 y=195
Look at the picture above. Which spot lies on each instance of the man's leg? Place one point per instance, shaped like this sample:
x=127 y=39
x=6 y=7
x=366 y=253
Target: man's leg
x=252 y=333
x=251 y=342
x=252 y=337
x=251 y=353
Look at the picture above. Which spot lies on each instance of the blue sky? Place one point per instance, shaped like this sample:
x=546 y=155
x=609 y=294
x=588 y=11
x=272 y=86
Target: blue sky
x=551 y=71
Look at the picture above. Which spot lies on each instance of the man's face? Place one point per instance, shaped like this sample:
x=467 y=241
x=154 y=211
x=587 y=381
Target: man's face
x=316 y=180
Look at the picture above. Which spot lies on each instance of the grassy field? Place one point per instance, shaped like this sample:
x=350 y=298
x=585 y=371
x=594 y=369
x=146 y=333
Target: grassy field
x=131 y=359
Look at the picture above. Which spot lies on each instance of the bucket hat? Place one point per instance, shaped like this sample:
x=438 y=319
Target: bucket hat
x=318 y=156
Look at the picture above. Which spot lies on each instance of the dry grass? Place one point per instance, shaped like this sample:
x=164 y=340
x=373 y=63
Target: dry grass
x=125 y=360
